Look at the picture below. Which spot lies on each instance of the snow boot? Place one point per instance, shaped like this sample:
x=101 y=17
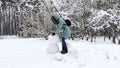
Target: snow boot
x=64 y=51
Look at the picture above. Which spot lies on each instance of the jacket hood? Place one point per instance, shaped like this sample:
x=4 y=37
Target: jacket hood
x=56 y=16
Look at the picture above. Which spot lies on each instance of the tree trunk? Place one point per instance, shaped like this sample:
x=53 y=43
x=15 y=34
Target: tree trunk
x=10 y=29
x=114 y=39
x=2 y=24
x=0 y=20
x=14 y=18
x=118 y=41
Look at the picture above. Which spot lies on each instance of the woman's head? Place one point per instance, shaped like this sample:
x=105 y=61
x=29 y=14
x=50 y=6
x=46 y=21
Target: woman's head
x=55 y=18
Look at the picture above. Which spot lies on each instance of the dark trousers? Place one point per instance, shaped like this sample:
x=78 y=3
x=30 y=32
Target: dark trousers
x=64 y=46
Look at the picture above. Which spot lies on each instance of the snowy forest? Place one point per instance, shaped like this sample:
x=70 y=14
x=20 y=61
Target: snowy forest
x=90 y=18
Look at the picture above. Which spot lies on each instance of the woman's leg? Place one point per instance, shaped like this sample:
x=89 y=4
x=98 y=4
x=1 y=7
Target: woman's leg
x=64 y=46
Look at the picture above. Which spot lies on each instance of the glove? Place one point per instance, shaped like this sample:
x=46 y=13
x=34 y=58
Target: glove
x=53 y=34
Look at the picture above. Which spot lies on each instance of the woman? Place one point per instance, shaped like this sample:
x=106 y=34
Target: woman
x=61 y=25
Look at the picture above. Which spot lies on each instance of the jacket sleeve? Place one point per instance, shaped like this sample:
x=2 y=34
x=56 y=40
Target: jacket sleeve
x=59 y=27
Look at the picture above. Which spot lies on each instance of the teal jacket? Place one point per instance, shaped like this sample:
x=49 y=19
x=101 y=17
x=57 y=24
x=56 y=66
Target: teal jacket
x=62 y=26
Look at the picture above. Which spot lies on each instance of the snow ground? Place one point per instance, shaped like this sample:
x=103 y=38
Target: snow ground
x=31 y=53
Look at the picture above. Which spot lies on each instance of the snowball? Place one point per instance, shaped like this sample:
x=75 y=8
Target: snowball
x=53 y=39
x=71 y=49
x=59 y=57
x=53 y=48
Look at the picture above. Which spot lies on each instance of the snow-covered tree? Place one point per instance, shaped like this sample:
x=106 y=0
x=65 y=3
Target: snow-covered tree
x=32 y=18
